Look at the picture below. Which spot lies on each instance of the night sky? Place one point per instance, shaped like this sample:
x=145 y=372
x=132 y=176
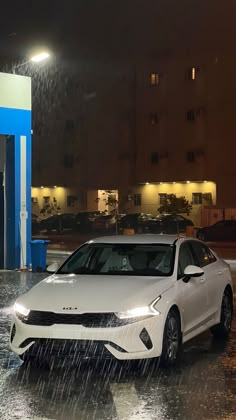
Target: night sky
x=116 y=27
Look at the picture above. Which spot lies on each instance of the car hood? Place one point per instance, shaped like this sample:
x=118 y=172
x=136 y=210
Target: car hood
x=94 y=293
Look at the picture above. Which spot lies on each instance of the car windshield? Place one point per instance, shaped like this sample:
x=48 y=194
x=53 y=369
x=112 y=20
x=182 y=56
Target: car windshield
x=121 y=259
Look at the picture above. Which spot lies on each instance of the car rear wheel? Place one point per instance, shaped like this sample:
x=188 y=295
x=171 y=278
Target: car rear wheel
x=171 y=340
x=222 y=330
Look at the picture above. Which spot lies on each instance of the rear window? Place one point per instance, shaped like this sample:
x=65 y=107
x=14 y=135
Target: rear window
x=121 y=259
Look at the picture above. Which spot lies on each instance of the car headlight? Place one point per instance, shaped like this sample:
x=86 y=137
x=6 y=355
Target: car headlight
x=21 y=310
x=143 y=311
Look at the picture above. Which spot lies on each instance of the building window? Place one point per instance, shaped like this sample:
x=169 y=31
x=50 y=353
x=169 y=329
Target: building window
x=190 y=156
x=69 y=125
x=71 y=199
x=162 y=198
x=207 y=197
x=193 y=73
x=154 y=79
x=190 y=115
x=155 y=158
x=46 y=200
x=197 y=198
x=68 y=161
x=137 y=200
x=153 y=118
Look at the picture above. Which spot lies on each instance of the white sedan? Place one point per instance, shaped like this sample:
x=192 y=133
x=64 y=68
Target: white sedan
x=127 y=297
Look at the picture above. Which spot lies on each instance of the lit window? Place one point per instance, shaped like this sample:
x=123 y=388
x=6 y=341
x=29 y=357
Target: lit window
x=193 y=73
x=197 y=198
x=154 y=79
x=137 y=200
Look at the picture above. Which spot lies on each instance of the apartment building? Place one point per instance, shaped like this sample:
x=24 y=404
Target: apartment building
x=143 y=129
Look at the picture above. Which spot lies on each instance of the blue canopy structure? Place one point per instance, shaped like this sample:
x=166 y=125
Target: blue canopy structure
x=15 y=126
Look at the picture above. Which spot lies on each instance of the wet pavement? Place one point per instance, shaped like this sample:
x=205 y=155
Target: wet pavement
x=202 y=386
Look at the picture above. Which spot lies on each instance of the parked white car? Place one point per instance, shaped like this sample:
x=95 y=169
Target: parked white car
x=128 y=297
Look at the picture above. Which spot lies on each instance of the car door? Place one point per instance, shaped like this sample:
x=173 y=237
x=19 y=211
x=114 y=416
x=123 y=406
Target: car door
x=192 y=294
x=213 y=270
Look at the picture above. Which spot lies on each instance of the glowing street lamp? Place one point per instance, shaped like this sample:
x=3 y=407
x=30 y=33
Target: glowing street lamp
x=40 y=57
x=37 y=58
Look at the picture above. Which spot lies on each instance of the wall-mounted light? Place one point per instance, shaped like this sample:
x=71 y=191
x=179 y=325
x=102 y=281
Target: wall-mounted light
x=187 y=182
x=42 y=186
x=55 y=186
x=146 y=183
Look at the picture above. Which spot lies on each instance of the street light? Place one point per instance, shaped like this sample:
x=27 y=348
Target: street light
x=37 y=58
x=40 y=57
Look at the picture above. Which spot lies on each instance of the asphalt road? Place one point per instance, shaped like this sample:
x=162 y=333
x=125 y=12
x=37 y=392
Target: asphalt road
x=202 y=386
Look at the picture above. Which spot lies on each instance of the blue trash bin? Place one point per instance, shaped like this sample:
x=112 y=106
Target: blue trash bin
x=39 y=255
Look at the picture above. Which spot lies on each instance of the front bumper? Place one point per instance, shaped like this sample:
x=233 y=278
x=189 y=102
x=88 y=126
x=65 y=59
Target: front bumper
x=138 y=340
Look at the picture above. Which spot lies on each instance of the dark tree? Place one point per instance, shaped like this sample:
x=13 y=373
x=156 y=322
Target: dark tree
x=175 y=205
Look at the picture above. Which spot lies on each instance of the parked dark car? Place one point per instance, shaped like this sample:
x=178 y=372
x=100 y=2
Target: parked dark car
x=59 y=223
x=107 y=222
x=86 y=219
x=168 y=223
x=35 y=225
x=224 y=230
x=136 y=221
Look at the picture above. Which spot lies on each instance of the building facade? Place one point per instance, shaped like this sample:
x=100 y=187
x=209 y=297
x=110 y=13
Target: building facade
x=144 y=129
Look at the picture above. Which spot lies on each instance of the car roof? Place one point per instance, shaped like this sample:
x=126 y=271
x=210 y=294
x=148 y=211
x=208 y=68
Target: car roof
x=137 y=239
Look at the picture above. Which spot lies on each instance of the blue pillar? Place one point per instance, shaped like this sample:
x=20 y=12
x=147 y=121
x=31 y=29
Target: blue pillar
x=15 y=124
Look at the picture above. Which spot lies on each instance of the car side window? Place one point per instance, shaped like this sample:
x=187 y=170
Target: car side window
x=186 y=257
x=203 y=254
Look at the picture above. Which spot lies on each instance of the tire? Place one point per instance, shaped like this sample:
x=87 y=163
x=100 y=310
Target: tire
x=172 y=340
x=223 y=329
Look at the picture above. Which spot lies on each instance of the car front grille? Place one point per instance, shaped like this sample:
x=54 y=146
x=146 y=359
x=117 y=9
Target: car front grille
x=44 y=347
x=88 y=320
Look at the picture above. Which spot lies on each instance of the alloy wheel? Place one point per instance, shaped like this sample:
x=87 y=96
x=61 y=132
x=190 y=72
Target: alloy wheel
x=227 y=312
x=172 y=339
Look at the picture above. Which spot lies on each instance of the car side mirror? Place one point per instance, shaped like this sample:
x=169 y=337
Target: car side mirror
x=52 y=268
x=192 y=271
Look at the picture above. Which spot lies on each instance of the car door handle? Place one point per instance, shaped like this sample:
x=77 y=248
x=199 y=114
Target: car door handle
x=219 y=272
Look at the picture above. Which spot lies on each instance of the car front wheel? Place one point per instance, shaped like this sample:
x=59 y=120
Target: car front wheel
x=222 y=330
x=171 y=340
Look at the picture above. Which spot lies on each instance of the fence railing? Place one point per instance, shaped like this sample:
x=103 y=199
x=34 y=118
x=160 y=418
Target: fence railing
x=210 y=215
